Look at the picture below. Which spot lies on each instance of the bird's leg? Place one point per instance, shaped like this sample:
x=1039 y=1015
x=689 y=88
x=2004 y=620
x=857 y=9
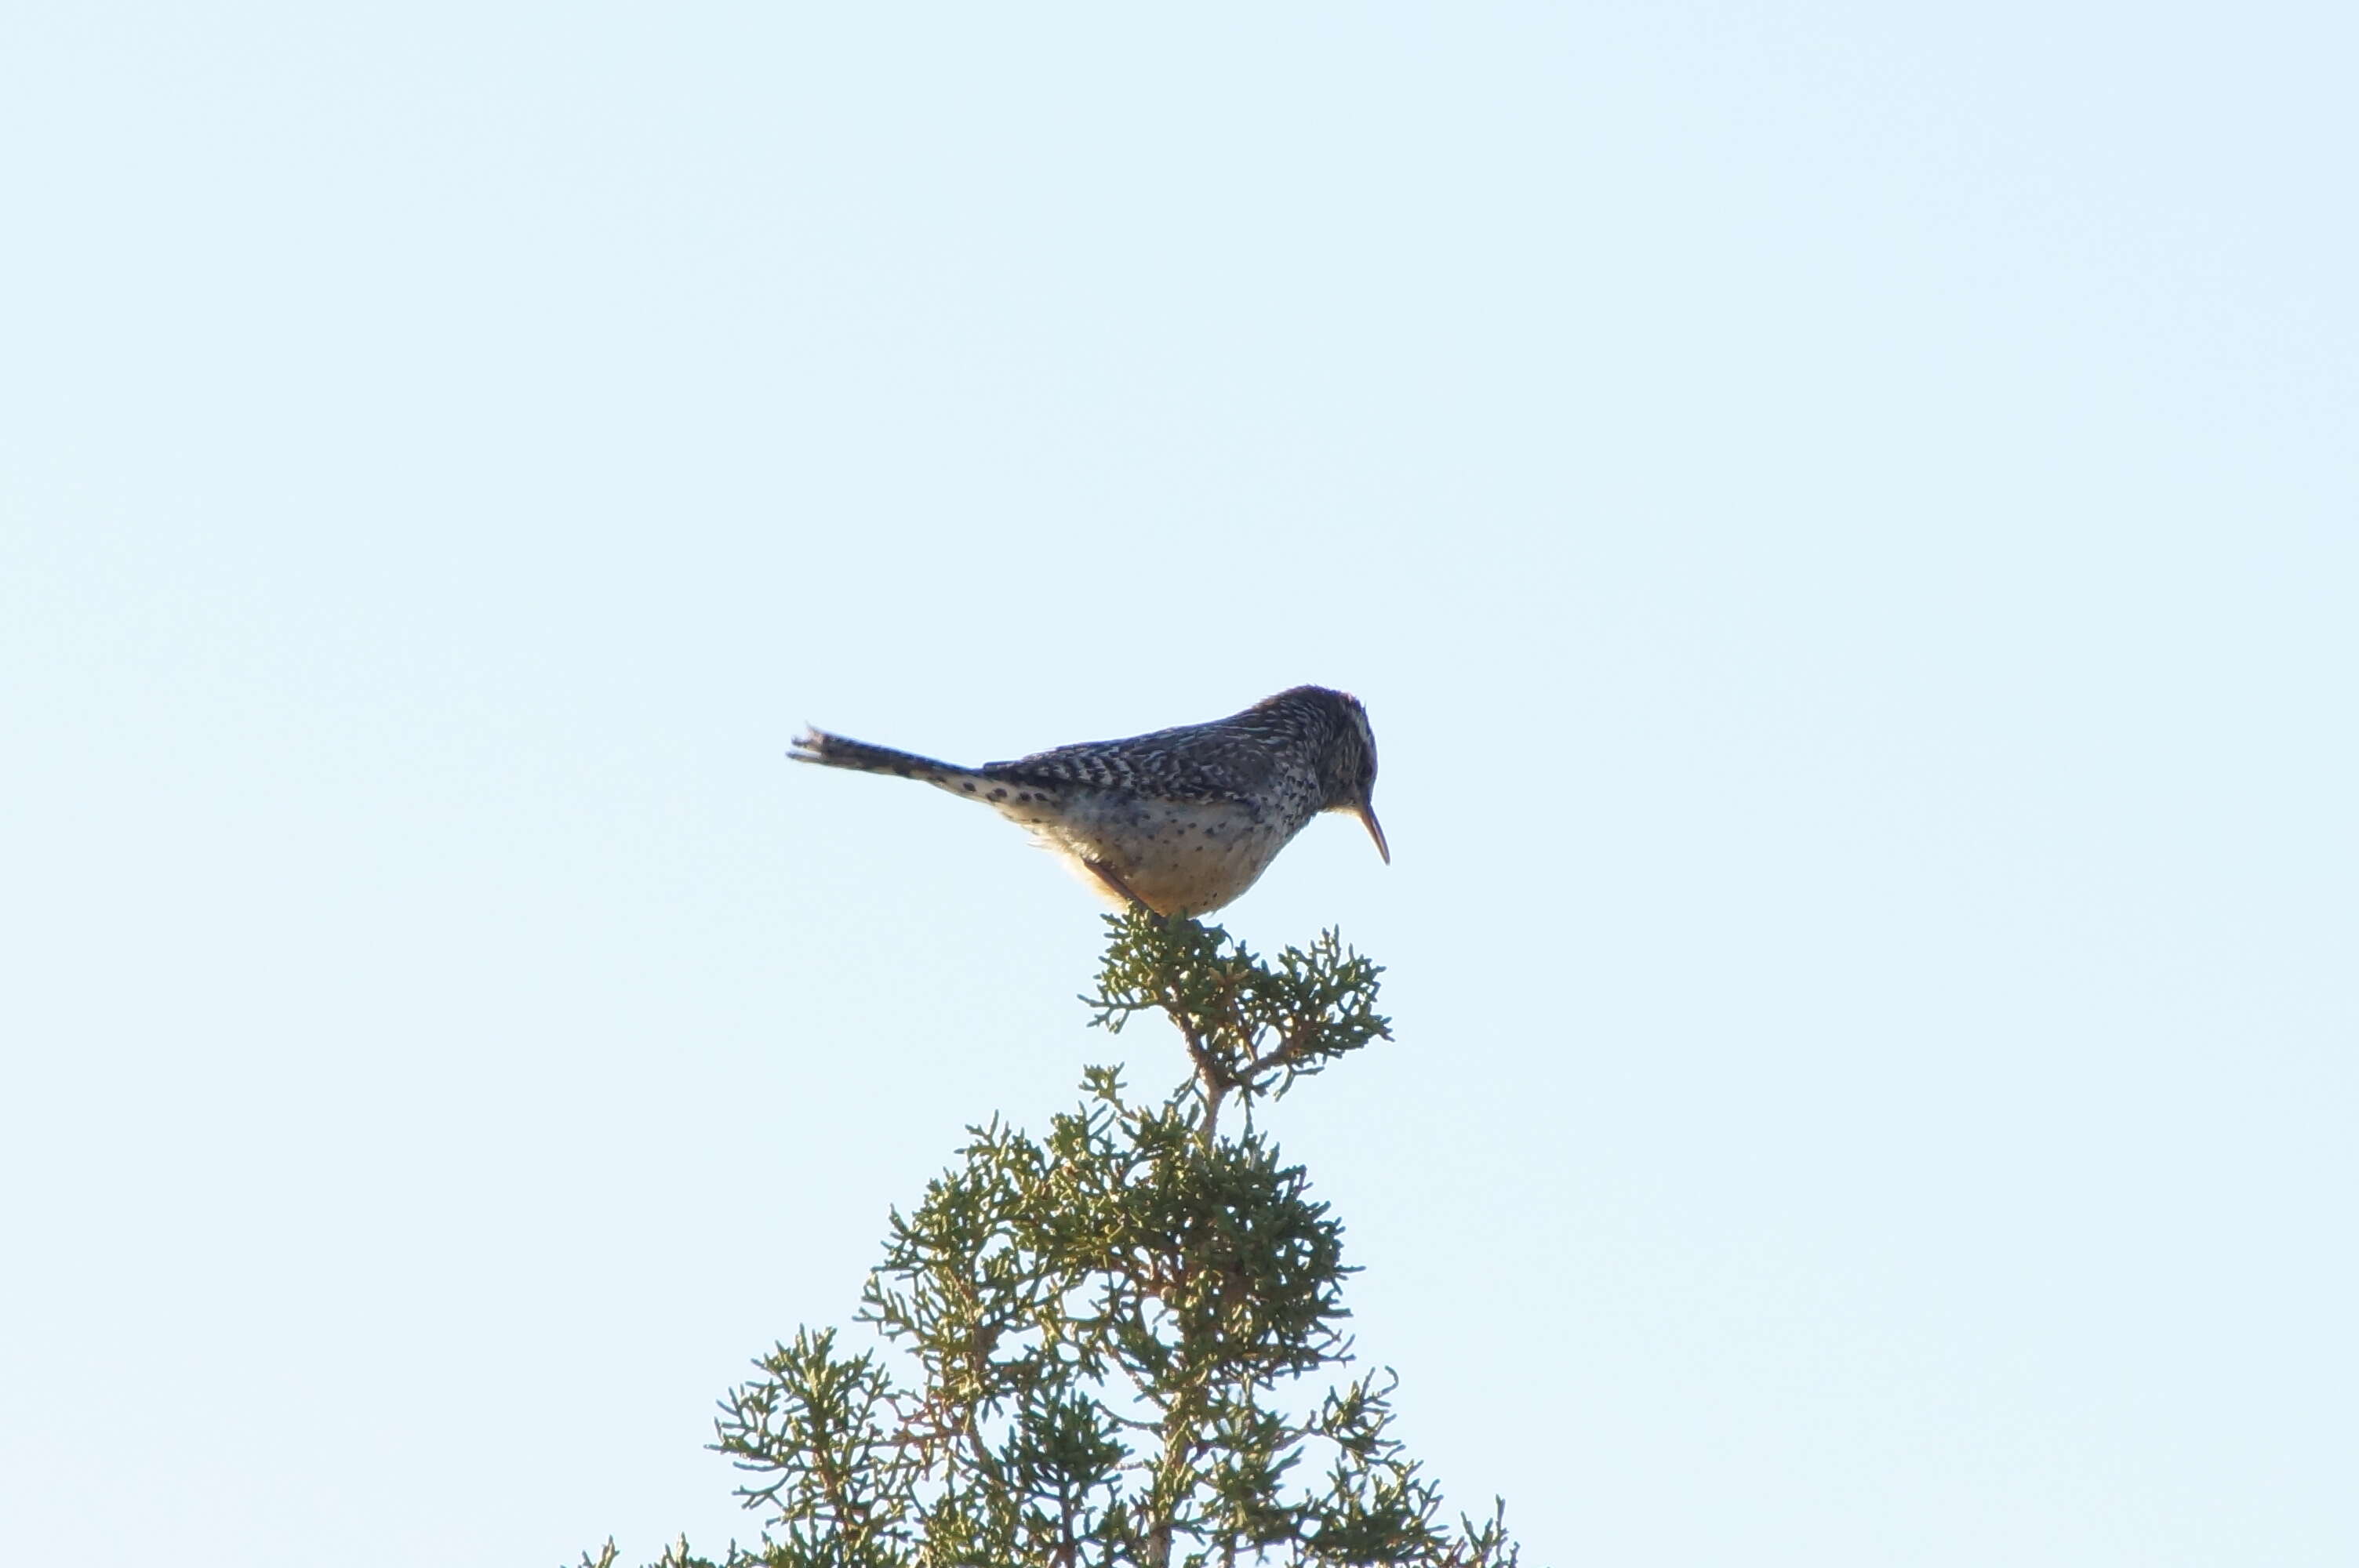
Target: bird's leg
x=1105 y=874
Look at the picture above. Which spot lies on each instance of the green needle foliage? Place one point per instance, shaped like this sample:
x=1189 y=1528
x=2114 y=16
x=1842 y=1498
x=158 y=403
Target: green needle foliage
x=1106 y=1341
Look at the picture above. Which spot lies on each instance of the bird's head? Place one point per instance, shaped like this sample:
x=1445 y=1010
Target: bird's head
x=1347 y=762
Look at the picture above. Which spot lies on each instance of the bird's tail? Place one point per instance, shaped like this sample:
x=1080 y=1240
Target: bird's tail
x=840 y=752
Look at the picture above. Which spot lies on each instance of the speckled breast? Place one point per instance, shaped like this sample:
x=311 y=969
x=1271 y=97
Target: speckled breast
x=1178 y=857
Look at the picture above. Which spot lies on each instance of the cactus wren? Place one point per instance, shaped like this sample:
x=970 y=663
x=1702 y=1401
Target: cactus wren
x=1183 y=820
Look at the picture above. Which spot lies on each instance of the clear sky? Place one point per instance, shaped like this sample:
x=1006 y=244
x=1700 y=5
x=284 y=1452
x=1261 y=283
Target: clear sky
x=1844 y=517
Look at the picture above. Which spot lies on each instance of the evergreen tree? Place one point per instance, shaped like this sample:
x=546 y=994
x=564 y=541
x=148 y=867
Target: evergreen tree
x=1106 y=1342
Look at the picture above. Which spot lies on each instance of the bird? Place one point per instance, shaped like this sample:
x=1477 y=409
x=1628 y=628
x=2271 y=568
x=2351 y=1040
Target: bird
x=1182 y=821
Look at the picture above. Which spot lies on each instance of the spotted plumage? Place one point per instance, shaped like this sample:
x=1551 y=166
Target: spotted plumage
x=1181 y=820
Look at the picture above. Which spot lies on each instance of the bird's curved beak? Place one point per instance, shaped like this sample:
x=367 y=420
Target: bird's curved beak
x=1368 y=815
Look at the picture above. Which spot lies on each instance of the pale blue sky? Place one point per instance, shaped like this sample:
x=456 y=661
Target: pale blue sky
x=1843 y=517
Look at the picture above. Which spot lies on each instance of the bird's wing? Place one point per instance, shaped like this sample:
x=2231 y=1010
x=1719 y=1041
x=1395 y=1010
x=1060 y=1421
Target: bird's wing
x=1198 y=762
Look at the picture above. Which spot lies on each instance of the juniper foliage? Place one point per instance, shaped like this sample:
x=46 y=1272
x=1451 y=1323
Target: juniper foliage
x=1105 y=1343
